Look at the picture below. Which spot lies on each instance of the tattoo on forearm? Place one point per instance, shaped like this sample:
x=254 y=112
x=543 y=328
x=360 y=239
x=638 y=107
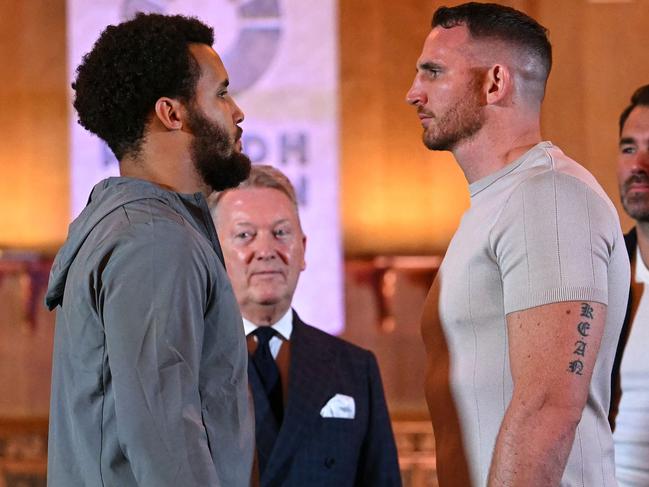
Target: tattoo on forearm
x=576 y=366
x=581 y=348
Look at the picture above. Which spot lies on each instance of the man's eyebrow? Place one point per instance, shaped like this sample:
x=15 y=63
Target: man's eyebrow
x=428 y=66
x=225 y=83
x=627 y=140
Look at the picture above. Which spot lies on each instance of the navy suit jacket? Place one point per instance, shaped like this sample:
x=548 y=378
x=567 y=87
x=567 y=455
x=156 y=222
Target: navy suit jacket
x=312 y=451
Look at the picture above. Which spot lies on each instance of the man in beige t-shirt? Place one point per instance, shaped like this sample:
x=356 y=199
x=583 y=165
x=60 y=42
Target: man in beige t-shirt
x=522 y=322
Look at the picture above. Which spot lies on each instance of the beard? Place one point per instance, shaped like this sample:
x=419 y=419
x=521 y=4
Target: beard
x=459 y=123
x=213 y=153
x=635 y=204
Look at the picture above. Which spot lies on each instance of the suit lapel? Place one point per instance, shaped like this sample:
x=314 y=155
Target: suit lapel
x=310 y=387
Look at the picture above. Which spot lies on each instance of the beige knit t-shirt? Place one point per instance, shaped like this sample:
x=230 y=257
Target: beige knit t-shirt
x=539 y=231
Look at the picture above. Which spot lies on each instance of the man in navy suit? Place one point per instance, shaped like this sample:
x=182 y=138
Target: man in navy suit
x=320 y=413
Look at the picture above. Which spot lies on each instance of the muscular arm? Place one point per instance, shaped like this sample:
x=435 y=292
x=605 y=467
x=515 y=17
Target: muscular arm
x=552 y=351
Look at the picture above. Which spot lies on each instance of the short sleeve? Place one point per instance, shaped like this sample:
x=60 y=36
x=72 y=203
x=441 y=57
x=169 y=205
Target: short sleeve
x=553 y=242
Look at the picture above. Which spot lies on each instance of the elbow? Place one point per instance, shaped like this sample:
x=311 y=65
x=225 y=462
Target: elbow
x=545 y=407
x=569 y=415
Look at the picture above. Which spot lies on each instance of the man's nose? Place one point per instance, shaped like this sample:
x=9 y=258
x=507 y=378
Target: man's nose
x=640 y=162
x=264 y=246
x=416 y=96
x=237 y=113
x=643 y=157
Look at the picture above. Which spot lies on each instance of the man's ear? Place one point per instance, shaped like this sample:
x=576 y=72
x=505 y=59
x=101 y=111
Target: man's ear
x=499 y=83
x=169 y=112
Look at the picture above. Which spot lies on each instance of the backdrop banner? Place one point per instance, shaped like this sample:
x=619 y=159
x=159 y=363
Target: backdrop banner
x=282 y=59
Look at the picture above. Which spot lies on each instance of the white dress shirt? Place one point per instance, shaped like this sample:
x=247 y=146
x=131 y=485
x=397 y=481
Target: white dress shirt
x=283 y=329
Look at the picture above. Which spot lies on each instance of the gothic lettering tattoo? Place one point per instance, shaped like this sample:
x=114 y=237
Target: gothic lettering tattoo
x=576 y=366
x=581 y=348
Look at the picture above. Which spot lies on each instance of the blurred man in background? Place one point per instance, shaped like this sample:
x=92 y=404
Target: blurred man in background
x=630 y=405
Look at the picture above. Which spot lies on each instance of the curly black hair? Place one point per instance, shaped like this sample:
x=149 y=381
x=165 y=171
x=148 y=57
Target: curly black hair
x=129 y=68
x=640 y=98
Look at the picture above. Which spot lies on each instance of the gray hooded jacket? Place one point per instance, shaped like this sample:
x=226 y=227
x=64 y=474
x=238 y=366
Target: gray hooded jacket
x=149 y=380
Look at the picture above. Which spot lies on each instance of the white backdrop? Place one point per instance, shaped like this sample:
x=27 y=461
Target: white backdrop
x=282 y=60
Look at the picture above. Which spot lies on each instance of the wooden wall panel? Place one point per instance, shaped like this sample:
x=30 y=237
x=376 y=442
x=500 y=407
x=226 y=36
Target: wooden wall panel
x=25 y=349
x=396 y=196
x=34 y=144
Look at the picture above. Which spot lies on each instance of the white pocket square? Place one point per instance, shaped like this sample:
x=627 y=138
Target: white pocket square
x=339 y=406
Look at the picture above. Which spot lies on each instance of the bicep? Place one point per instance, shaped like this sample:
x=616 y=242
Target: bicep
x=553 y=349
